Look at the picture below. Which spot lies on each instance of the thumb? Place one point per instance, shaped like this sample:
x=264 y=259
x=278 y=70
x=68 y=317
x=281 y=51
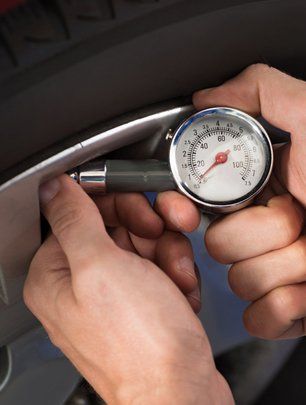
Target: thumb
x=260 y=89
x=75 y=221
x=281 y=100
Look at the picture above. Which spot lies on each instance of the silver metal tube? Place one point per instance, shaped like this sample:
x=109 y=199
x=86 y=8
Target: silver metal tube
x=91 y=177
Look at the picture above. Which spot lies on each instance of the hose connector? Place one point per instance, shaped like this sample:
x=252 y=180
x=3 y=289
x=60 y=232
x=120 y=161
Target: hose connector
x=101 y=176
x=91 y=177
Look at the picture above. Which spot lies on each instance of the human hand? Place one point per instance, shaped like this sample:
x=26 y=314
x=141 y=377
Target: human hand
x=266 y=243
x=136 y=227
x=116 y=315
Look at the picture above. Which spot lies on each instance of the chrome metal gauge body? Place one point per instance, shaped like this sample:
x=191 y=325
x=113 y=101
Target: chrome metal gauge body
x=221 y=158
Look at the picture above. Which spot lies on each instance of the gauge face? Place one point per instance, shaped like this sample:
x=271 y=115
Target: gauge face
x=221 y=156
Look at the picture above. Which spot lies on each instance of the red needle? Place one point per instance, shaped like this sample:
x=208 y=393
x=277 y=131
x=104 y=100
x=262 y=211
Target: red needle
x=220 y=158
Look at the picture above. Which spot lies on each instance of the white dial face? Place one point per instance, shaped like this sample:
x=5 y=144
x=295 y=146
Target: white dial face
x=220 y=158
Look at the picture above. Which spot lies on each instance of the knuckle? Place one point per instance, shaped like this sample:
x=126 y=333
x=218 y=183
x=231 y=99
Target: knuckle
x=282 y=228
x=55 y=337
x=280 y=303
x=236 y=282
x=258 y=69
x=89 y=276
x=257 y=326
x=253 y=322
x=177 y=245
x=300 y=251
x=234 y=279
x=286 y=226
x=267 y=317
x=210 y=240
x=250 y=322
x=89 y=266
x=58 y=263
x=67 y=218
x=180 y=240
x=215 y=244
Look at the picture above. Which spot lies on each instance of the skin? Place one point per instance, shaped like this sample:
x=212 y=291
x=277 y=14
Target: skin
x=115 y=285
x=270 y=259
x=120 y=304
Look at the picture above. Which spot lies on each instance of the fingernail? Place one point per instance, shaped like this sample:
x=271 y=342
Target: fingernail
x=186 y=266
x=196 y=294
x=48 y=191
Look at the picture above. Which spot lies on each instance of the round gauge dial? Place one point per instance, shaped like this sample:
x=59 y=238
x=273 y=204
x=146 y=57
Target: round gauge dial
x=221 y=158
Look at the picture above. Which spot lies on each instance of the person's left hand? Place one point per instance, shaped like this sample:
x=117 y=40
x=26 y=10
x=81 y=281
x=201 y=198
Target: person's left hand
x=266 y=243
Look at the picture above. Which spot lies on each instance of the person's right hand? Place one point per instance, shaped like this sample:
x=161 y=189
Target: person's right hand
x=115 y=314
x=266 y=243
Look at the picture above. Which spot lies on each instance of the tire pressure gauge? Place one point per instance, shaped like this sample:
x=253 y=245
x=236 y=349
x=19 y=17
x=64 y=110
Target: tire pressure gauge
x=221 y=158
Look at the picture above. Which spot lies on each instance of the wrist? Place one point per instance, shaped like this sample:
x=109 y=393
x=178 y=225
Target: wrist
x=204 y=389
x=166 y=386
x=183 y=376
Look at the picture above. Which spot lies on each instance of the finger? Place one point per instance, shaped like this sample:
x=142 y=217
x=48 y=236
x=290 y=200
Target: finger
x=178 y=212
x=174 y=255
x=130 y=210
x=256 y=277
x=260 y=89
x=255 y=231
x=194 y=302
x=128 y=241
x=75 y=221
x=121 y=237
x=144 y=247
x=194 y=298
x=279 y=314
x=133 y=243
x=107 y=207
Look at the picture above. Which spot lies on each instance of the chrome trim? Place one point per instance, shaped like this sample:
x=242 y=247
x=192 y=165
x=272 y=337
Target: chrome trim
x=109 y=140
x=92 y=178
x=204 y=205
x=19 y=206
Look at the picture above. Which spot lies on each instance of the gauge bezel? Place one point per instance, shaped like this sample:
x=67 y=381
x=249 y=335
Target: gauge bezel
x=229 y=206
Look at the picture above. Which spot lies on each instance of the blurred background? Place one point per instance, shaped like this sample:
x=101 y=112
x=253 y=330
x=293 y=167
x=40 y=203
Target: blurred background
x=71 y=70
